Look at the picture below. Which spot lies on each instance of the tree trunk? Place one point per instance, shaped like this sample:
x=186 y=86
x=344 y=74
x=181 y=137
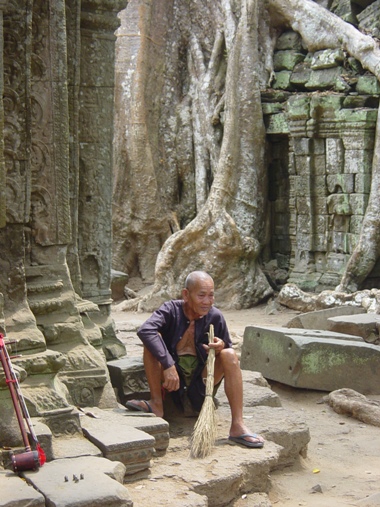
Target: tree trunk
x=223 y=95
x=226 y=236
x=212 y=170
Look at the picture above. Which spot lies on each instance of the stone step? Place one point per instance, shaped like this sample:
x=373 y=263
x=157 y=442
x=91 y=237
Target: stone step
x=230 y=470
x=15 y=491
x=80 y=482
x=120 y=442
x=122 y=418
x=312 y=359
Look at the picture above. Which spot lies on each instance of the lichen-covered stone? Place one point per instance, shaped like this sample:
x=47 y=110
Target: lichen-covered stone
x=368 y=85
x=287 y=59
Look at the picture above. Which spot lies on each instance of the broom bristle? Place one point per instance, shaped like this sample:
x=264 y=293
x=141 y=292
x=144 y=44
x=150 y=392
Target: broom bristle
x=205 y=429
x=204 y=434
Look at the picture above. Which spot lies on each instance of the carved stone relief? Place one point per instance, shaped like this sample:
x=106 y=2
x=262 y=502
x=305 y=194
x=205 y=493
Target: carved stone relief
x=55 y=208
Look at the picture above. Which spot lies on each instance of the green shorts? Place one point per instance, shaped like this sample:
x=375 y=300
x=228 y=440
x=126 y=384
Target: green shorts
x=188 y=365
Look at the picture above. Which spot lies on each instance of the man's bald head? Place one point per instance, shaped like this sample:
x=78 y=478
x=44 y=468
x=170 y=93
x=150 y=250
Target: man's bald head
x=195 y=277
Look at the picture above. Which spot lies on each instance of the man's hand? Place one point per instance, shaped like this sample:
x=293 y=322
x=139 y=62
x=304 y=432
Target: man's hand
x=218 y=345
x=171 y=379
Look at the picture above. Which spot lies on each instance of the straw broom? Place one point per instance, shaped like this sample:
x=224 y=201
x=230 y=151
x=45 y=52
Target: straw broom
x=204 y=433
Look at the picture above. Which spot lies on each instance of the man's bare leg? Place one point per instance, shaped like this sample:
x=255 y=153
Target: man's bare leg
x=153 y=371
x=227 y=366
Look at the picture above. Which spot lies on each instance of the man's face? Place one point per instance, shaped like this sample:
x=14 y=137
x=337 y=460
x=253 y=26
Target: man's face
x=199 y=298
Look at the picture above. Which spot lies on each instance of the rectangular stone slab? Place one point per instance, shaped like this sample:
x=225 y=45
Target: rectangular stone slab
x=365 y=325
x=15 y=491
x=81 y=482
x=319 y=319
x=310 y=359
x=120 y=442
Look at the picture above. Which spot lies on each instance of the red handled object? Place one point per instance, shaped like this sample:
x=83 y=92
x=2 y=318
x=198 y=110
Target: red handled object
x=30 y=459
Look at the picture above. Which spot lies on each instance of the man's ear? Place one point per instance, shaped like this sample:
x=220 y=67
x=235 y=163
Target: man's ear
x=185 y=294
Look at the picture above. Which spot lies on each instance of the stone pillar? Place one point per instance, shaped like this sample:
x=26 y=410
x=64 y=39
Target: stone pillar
x=15 y=169
x=96 y=99
x=3 y=4
x=39 y=218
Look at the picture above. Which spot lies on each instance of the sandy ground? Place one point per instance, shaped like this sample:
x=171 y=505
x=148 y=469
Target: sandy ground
x=343 y=463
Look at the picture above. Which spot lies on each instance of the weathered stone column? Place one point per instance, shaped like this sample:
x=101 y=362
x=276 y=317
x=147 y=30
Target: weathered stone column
x=96 y=101
x=61 y=365
x=3 y=4
x=16 y=155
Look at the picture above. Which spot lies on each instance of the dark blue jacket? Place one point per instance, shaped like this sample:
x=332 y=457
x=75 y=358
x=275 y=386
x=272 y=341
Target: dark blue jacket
x=166 y=326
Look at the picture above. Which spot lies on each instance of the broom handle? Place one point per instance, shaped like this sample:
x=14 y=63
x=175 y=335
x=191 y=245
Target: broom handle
x=21 y=400
x=4 y=358
x=210 y=364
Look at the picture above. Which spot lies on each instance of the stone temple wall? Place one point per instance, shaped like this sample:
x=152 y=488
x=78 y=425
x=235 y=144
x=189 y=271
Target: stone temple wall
x=320 y=115
x=56 y=133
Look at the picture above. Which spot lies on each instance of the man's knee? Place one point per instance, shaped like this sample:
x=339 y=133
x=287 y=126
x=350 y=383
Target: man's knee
x=228 y=357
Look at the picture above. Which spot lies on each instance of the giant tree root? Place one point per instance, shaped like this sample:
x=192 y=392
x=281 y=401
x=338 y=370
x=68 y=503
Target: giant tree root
x=349 y=402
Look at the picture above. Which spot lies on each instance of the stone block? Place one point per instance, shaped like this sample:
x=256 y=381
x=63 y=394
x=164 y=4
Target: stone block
x=339 y=204
x=287 y=59
x=318 y=184
x=118 y=281
x=128 y=377
x=368 y=85
x=300 y=75
x=81 y=482
x=289 y=40
x=326 y=79
x=325 y=107
x=319 y=318
x=344 y=9
x=362 y=183
x=120 y=442
x=357 y=162
x=337 y=183
x=358 y=118
x=303 y=167
x=227 y=473
x=303 y=224
x=364 y=325
x=312 y=359
x=319 y=204
x=276 y=124
x=369 y=19
x=302 y=147
x=327 y=58
x=16 y=492
x=254 y=396
x=298 y=107
x=320 y=242
x=284 y=428
x=149 y=423
x=282 y=80
x=358 y=203
x=319 y=164
x=74 y=447
x=336 y=262
x=304 y=242
x=356 y=224
x=272 y=107
x=358 y=140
